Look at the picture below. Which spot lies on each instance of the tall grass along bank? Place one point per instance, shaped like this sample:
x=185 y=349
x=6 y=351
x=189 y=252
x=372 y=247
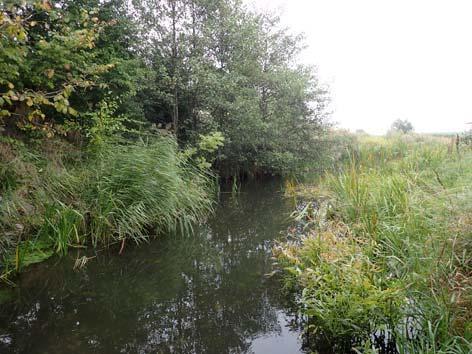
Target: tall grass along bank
x=381 y=258
x=54 y=197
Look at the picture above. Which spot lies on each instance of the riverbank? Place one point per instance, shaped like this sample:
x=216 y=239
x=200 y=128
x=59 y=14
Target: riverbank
x=384 y=250
x=56 y=196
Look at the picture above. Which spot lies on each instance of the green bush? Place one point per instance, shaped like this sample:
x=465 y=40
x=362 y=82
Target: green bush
x=344 y=294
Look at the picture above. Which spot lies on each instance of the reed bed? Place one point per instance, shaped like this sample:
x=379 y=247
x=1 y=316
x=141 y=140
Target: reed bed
x=387 y=249
x=121 y=192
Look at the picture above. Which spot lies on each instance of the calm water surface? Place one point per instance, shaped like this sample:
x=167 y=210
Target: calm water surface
x=206 y=293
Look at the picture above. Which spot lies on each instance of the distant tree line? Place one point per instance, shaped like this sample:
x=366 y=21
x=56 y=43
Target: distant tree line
x=402 y=126
x=90 y=69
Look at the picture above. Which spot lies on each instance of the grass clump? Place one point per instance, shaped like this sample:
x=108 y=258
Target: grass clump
x=401 y=260
x=123 y=191
x=343 y=293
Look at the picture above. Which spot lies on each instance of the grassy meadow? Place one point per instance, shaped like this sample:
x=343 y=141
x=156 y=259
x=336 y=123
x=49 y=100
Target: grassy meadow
x=382 y=252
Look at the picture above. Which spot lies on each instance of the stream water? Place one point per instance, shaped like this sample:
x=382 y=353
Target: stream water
x=206 y=293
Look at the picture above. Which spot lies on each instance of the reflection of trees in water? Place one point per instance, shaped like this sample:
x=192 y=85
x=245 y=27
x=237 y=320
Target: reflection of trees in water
x=201 y=322
x=225 y=301
x=203 y=294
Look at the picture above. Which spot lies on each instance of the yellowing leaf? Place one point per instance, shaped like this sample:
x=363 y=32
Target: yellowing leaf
x=11 y=86
x=50 y=73
x=21 y=35
x=46 y=5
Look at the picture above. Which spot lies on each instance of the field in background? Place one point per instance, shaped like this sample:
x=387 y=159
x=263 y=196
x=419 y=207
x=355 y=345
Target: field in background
x=381 y=255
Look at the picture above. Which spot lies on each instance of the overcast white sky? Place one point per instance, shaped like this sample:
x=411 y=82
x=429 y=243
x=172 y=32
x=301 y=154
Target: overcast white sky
x=409 y=59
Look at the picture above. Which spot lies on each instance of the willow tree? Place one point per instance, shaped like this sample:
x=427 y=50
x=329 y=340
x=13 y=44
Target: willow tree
x=220 y=67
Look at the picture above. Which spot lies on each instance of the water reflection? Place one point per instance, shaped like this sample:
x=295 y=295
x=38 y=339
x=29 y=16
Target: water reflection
x=201 y=294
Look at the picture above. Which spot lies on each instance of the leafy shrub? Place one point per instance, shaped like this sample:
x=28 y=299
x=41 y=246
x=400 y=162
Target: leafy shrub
x=344 y=294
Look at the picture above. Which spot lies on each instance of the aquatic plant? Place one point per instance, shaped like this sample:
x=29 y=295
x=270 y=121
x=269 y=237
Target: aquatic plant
x=394 y=250
x=134 y=189
x=123 y=191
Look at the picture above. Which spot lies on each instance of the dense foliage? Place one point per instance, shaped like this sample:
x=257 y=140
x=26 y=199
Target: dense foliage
x=192 y=67
x=112 y=114
x=55 y=197
x=383 y=253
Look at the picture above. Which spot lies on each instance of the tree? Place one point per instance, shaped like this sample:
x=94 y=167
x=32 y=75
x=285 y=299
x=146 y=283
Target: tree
x=403 y=126
x=47 y=57
x=191 y=67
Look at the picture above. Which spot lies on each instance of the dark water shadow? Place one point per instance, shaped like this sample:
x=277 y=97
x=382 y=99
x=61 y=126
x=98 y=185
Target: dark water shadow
x=206 y=293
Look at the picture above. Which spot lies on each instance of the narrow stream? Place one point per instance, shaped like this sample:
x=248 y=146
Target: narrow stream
x=206 y=293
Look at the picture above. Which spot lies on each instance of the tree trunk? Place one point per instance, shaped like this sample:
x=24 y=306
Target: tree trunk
x=175 y=108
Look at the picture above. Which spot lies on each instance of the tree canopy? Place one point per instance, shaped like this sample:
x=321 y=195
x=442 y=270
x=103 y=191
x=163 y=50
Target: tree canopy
x=402 y=126
x=86 y=69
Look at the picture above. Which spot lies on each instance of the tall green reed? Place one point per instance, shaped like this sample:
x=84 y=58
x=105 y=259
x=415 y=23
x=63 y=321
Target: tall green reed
x=399 y=200
x=121 y=191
